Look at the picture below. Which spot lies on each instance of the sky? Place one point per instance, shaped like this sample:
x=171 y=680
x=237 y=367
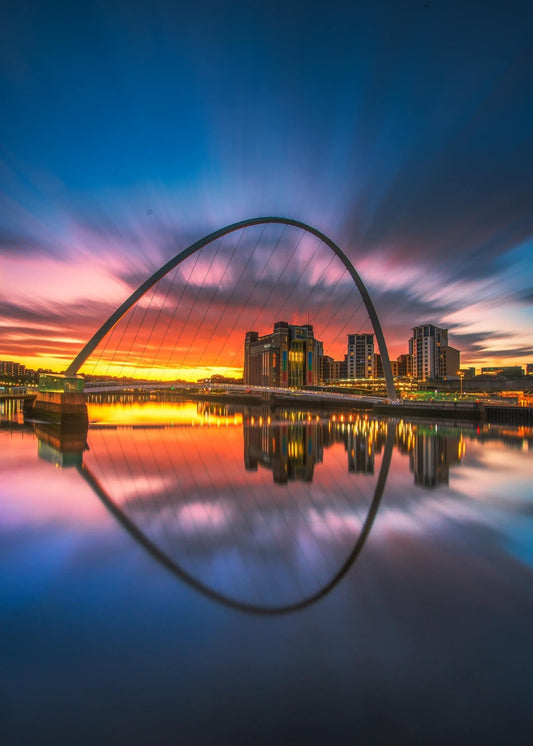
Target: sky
x=402 y=130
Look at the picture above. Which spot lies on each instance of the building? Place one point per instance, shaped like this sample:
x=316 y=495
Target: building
x=333 y=370
x=290 y=356
x=512 y=371
x=360 y=358
x=9 y=368
x=450 y=362
x=405 y=366
x=378 y=366
x=433 y=358
x=218 y=379
x=425 y=346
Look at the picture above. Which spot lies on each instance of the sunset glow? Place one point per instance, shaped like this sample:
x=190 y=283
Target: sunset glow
x=421 y=175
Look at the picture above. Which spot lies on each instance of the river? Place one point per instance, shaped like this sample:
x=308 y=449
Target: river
x=191 y=573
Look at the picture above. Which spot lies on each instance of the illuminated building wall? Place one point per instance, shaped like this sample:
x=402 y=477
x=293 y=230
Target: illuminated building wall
x=290 y=356
x=333 y=370
x=360 y=360
x=450 y=362
x=405 y=365
x=9 y=368
x=425 y=347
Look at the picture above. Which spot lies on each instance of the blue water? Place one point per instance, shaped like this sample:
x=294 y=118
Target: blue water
x=426 y=638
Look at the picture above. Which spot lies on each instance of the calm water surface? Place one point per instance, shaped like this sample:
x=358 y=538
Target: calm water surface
x=193 y=574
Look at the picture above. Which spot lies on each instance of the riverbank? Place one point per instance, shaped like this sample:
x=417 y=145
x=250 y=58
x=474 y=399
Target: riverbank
x=458 y=411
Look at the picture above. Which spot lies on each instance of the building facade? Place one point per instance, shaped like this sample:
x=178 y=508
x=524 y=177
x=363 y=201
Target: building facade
x=405 y=366
x=333 y=370
x=360 y=358
x=432 y=357
x=289 y=357
x=450 y=362
x=512 y=371
x=10 y=368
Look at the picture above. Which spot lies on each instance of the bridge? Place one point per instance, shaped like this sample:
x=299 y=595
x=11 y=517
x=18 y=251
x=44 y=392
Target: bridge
x=458 y=411
x=194 y=311
x=299 y=396
x=311 y=259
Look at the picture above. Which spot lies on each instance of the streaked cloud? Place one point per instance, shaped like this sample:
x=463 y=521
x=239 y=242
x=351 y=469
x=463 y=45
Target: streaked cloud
x=401 y=133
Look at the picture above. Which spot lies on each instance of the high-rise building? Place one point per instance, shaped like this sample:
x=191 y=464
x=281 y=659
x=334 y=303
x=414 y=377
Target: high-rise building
x=378 y=366
x=450 y=362
x=433 y=358
x=405 y=366
x=360 y=358
x=333 y=370
x=9 y=368
x=287 y=357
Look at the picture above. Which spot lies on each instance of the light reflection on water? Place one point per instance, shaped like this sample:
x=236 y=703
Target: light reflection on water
x=420 y=523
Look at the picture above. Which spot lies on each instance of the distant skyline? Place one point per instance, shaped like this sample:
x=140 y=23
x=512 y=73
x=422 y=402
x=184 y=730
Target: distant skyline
x=402 y=130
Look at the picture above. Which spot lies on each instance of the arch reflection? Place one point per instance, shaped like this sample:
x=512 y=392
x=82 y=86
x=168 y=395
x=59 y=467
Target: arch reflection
x=211 y=514
x=226 y=598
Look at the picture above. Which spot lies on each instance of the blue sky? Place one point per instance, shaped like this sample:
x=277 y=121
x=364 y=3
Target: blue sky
x=401 y=129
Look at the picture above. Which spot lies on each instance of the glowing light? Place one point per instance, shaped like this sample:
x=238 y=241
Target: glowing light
x=152 y=413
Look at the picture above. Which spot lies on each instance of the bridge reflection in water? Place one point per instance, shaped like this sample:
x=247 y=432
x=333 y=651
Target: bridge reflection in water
x=266 y=515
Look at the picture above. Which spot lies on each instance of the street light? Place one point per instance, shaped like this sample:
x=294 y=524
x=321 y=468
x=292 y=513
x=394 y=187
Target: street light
x=461 y=375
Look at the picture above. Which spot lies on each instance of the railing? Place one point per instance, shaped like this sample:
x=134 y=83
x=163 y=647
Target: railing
x=232 y=388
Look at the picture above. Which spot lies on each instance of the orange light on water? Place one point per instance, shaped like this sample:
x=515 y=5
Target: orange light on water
x=155 y=413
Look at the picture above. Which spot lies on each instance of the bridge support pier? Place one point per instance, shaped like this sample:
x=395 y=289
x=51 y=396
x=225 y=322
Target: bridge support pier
x=60 y=399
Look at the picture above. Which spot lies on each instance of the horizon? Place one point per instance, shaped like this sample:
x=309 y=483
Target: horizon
x=193 y=373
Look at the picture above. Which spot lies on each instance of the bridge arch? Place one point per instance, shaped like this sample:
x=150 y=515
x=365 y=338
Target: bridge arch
x=115 y=317
x=221 y=598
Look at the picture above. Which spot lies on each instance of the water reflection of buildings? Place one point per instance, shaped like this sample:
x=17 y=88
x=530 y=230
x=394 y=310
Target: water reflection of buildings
x=217 y=413
x=431 y=453
x=291 y=448
x=432 y=457
x=12 y=410
x=364 y=439
x=182 y=493
x=291 y=443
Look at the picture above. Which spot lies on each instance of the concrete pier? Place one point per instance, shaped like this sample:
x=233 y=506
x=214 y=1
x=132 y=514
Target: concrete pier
x=60 y=399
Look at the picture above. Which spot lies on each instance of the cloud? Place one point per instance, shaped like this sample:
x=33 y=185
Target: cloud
x=525 y=296
x=405 y=136
x=517 y=353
